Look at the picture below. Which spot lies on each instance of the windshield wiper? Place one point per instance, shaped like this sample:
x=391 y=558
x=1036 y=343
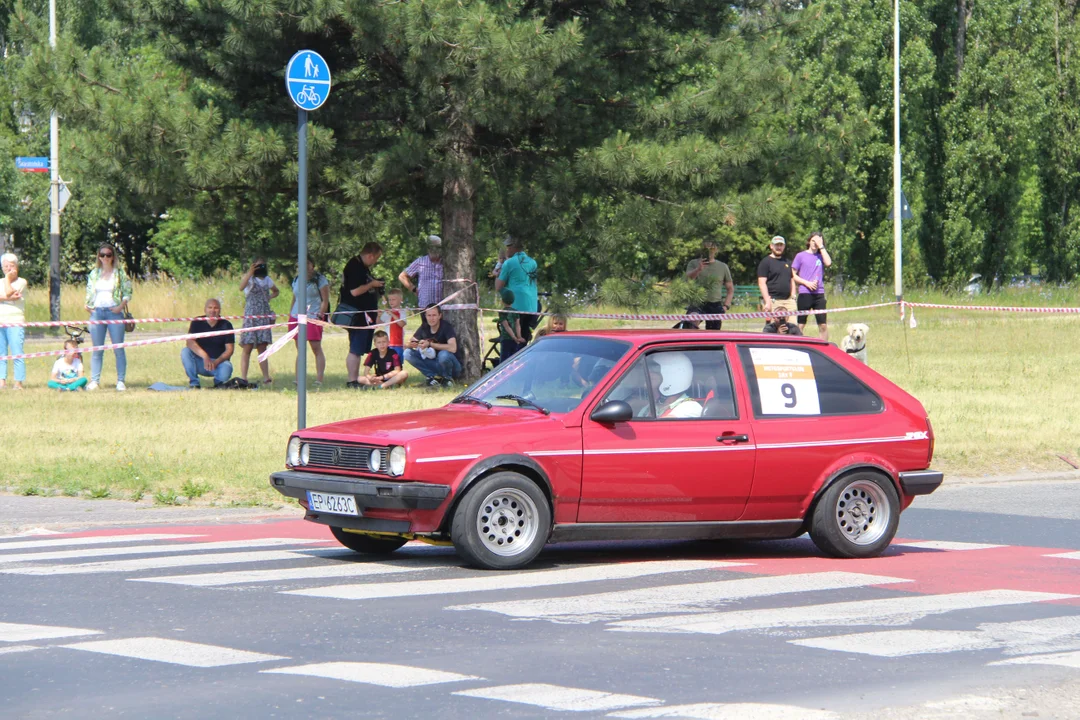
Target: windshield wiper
x=524 y=402
x=471 y=399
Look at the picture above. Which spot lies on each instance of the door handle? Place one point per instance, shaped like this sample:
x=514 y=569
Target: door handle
x=733 y=438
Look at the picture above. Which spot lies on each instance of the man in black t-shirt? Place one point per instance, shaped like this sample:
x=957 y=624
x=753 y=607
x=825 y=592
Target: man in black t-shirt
x=360 y=290
x=433 y=350
x=209 y=356
x=775 y=279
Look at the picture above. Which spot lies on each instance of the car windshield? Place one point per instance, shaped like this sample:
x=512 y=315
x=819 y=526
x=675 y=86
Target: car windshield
x=554 y=374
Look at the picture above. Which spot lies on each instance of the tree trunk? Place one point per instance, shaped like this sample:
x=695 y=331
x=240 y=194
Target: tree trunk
x=963 y=15
x=459 y=251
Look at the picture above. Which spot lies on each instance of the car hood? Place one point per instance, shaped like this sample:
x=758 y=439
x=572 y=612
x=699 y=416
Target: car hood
x=401 y=428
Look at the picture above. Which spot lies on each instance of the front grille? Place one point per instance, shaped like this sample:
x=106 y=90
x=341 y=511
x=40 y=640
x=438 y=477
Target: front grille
x=346 y=457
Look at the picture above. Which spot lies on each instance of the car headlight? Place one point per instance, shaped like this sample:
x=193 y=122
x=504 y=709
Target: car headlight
x=397 y=461
x=292 y=453
x=305 y=453
x=375 y=460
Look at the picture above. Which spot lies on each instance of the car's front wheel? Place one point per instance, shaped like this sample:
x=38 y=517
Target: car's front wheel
x=502 y=523
x=368 y=544
x=856 y=517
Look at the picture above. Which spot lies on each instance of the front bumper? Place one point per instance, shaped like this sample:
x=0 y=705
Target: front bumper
x=921 y=482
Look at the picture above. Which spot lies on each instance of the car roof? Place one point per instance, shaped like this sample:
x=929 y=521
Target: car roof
x=646 y=336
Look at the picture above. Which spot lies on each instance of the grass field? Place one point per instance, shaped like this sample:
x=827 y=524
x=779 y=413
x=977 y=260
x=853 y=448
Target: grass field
x=997 y=387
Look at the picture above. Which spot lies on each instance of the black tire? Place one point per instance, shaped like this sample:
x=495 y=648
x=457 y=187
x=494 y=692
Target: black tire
x=368 y=544
x=499 y=510
x=856 y=517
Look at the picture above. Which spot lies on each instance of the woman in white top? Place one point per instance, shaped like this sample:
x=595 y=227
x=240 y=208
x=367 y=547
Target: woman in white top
x=12 y=310
x=259 y=289
x=108 y=291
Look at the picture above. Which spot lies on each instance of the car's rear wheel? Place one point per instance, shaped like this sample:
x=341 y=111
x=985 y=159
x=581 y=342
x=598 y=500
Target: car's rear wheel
x=856 y=517
x=502 y=523
x=368 y=544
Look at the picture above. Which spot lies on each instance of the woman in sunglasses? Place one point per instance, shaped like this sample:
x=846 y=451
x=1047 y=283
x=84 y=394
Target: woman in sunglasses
x=108 y=291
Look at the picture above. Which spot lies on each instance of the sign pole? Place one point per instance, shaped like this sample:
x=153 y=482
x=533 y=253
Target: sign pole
x=54 y=192
x=302 y=278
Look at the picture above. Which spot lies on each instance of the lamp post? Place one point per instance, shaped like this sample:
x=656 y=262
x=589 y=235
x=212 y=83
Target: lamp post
x=897 y=207
x=54 y=191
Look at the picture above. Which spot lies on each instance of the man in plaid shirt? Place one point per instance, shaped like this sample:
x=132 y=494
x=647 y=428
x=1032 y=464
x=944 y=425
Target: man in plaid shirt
x=428 y=271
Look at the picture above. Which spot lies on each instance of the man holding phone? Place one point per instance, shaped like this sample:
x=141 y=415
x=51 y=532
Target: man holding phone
x=715 y=276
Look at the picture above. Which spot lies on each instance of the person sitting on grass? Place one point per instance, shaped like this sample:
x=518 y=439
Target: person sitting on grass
x=780 y=326
x=67 y=371
x=510 y=340
x=433 y=350
x=209 y=356
x=384 y=365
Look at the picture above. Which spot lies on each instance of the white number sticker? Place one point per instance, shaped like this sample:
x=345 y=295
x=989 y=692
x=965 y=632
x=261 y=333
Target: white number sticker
x=785 y=381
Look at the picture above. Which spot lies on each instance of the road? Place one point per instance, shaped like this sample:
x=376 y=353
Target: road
x=974 y=612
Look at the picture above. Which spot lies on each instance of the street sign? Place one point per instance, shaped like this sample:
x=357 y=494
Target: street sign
x=307 y=79
x=32 y=164
x=64 y=194
x=905 y=209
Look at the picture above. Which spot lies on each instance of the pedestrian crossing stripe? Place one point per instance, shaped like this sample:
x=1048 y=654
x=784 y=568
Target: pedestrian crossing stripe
x=16 y=632
x=161 y=549
x=386 y=675
x=158 y=563
x=1069 y=660
x=317 y=572
x=728 y=711
x=85 y=541
x=174 y=652
x=558 y=698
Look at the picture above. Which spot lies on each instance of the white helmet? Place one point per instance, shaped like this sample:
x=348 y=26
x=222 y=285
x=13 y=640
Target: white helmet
x=676 y=371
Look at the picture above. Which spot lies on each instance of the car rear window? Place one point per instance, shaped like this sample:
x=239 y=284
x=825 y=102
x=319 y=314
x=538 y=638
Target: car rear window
x=790 y=381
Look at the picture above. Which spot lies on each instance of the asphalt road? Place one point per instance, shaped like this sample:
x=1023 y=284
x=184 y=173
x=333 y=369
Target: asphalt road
x=974 y=612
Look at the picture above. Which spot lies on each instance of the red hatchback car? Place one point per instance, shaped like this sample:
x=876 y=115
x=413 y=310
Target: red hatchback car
x=629 y=434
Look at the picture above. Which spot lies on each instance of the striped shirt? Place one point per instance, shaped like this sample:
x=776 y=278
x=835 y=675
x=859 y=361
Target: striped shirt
x=429 y=281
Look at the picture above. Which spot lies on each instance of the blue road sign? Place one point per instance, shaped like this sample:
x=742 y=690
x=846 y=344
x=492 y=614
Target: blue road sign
x=32 y=164
x=307 y=78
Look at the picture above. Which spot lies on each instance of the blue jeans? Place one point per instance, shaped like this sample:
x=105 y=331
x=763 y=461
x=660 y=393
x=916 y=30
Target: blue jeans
x=11 y=343
x=97 y=337
x=444 y=365
x=195 y=366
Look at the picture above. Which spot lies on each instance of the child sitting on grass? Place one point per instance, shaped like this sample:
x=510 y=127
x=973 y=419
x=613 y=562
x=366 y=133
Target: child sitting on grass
x=67 y=371
x=510 y=338
x=384 y=365
x=394 y=317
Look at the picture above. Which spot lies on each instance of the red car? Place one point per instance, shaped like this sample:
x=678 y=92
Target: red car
x=629 y=434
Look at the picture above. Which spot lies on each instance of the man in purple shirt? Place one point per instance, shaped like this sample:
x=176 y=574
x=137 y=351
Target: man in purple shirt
x=809 y=273
x=428 y=271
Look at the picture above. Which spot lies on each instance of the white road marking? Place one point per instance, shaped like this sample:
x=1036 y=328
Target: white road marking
x=1067 y=556
x=160 y=549
x=96 y=540
x=156 y=563
x=946 y=545
x=176 y=652
x=1069 y=659
x=341 y=569
x=507 y=581
x=14 y=632
x=557 y=697
x=887 y=611
x=395 y=676
x=689 y=597
x=729 y=711
x=1017 y=638
x=17 y=649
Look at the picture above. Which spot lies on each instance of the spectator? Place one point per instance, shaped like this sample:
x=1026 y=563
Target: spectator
x=494 y=274
x=715 y=277
x=782 y=326
x=108 y=292
x=519 y=274
x=394 y=318
x=358 y=304
x=384 y=364
x=67 y=371
x=317 y=295
x=809 y=268
x=775 y=279
x=510 y=340
x=428 y=271
x=209 y=356
x=555 y=324
x=433 y=350
x=12 y=310
x=259 y=289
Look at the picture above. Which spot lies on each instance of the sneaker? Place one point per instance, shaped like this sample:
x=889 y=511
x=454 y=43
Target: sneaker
x=120 y=386
x=92 y=386
x=352 y=385
x=195 y=386
x=447 y=383
x=433 y=383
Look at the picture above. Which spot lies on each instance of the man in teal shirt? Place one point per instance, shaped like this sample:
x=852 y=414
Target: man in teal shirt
x=519 y=274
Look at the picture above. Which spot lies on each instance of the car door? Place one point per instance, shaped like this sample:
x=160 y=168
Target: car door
x=685 y=456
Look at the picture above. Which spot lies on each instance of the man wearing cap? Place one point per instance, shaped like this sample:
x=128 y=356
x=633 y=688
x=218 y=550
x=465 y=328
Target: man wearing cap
x=519 y=274
x=776 y=281
x=715 y=277
x=428 y=271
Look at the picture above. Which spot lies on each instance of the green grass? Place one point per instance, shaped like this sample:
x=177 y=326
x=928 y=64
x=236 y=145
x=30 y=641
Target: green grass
x=998 y=388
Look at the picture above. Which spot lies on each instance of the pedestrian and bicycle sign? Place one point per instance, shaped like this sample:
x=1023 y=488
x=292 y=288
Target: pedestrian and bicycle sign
x=32 y=164
x=307 y=78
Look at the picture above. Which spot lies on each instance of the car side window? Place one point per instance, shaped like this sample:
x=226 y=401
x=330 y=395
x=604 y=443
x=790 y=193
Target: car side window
x=678 y=385
x=633 y=389
x=799 y=382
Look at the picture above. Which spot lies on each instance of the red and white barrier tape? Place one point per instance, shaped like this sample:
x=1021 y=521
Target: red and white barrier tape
x=669 y=317
x=992 y=308
x=140 y=321
x=441 y=303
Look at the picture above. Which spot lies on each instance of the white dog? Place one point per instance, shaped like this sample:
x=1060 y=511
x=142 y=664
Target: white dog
x=854 y=343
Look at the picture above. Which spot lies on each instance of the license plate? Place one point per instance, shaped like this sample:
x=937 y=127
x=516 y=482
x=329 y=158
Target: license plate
x=333 y=504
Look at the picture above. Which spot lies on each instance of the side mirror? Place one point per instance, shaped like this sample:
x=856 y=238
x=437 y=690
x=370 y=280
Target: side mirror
x=612 y=412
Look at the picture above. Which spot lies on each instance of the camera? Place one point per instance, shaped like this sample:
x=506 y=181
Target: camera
x=378 y=290
x=260 y=270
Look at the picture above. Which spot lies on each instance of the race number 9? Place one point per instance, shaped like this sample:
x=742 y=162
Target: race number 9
x=788 y=391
